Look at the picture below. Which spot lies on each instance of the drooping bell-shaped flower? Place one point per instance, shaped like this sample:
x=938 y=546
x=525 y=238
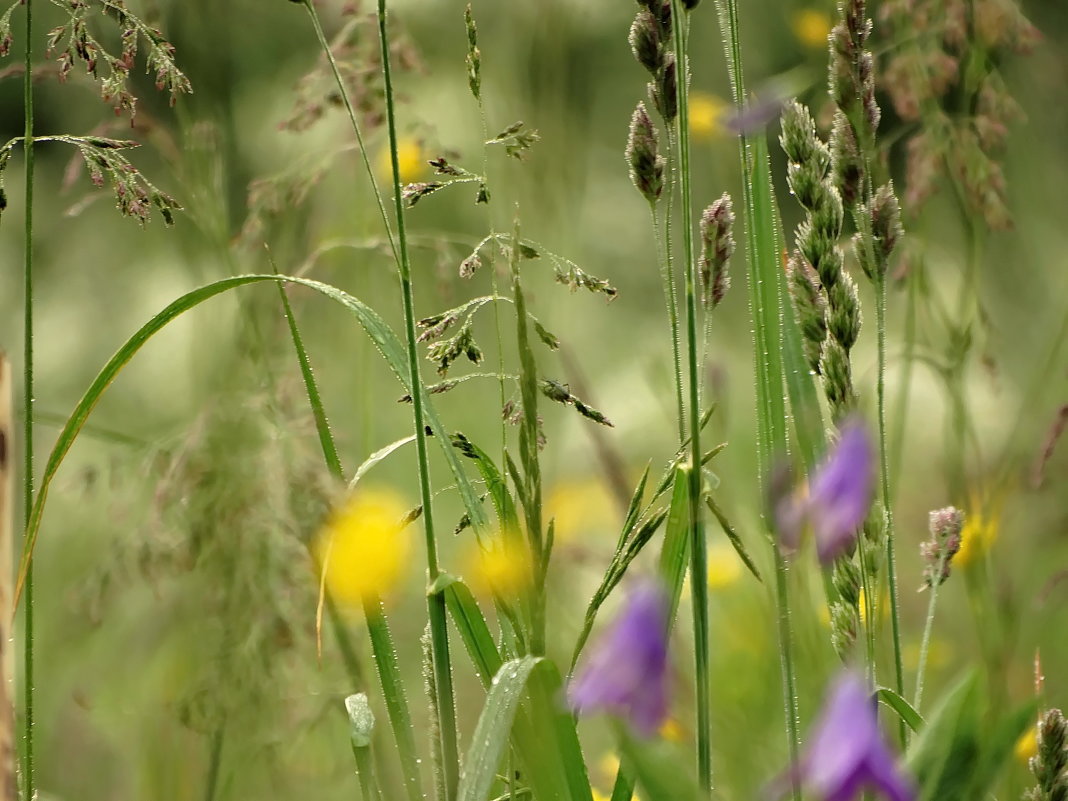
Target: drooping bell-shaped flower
x=626 y=672
x=846 y=753
x=838 y=496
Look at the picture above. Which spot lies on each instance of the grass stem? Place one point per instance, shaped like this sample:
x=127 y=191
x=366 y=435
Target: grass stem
x=439 y=635
x=29 y=784
x=698 y=546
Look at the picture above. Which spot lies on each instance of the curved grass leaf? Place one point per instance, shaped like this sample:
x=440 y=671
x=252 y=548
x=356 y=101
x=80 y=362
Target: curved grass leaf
x=494 y=728
x=381 y=334
x=377 y=457
x=904 y=709
x=675 y=554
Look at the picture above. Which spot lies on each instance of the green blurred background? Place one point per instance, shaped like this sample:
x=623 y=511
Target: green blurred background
x=176 y=604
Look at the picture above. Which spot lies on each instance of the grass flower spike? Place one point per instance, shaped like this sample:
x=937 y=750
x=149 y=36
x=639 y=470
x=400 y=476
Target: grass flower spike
x=626 y=672
x=846 y=754
x=838 y=496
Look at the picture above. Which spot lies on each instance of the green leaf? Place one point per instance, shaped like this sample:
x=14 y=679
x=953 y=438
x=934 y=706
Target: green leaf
x=903 y=708
x=474 y=631
x=381 y=334
x=732 y=536
x=998 y=746
x=944 y=754
x=494 y=728
x=507 y=517
x=675 y=554
x=661 y=772
x=377 y=457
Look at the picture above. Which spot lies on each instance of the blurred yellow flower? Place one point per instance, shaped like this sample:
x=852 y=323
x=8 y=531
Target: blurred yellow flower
x=724 y=566
x=361 y=547
x=706 y=112
x=812 y=27
x=577 y=507
x=504 y=567
x=1027 y=745
x=609 y=767
x=938 y=654
x=411 y=159
x=982 y=522
x=598 y=795
x=671 y=730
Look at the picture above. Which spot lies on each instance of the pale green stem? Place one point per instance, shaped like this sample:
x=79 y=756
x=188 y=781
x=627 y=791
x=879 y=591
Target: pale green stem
x=925 y=643
x=888 y=499
x=439 y=634
x=667 y=277
x=698 y=552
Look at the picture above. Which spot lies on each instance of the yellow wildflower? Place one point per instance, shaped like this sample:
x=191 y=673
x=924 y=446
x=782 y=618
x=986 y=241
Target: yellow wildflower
x=812 y=27
x=724 y=566
x=671 y=730
x=411 y=159
x=503 y=568
x=1027 y=745
x=982 y=522
x=361 y=546
x=706 y=113
x=577 y=507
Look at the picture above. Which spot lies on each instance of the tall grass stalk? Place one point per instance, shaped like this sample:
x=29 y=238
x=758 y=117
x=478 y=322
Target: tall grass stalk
x=29 y=788
x=925 y=642
x=771 y=431
x=667 y=274
x=698 y=546
x=439 y=634
x=888 y=499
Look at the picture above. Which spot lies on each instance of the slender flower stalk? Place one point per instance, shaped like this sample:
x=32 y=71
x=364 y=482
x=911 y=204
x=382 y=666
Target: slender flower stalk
x=698 y=546
x=29 y=784
x=439 y=634
x=946 y=526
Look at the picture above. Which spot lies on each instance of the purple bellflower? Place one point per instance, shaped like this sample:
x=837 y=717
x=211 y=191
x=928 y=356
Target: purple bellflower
x=626 y=672
x=838 y=498
x=846 y=753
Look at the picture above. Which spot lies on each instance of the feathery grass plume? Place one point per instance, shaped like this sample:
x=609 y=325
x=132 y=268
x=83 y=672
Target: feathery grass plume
x=646 y=41
x=945 y=527
x=811 y=308
x=945 y=79
x=1050 y=764
x=817 y=251
x=74 y=41
x=852 y=88
x=474 y=55
x=663 y=90
x=646 y=163
x=717 y=247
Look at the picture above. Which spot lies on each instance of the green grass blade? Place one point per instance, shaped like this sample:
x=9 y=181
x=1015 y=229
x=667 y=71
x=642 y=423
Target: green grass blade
x=675 y=554
x=381 y=334
x=904 y=709
x=377 y=457
x=494 y=727
x=732 y=536
x=659 y=770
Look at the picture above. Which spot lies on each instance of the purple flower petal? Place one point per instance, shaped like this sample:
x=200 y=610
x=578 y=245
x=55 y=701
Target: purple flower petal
x=846 y=754
x=840 y=493
x=626 y=672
